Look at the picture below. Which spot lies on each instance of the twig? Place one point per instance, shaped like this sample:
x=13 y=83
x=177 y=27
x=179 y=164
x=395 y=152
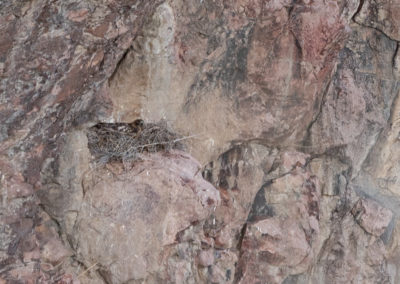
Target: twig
x=84 y=272
x=166 y=142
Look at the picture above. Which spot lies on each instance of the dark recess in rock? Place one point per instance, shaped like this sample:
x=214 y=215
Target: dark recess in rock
x=260 y=208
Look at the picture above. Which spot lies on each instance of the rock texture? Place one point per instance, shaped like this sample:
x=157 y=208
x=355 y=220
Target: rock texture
x=248 y=68
x=130 y=222
x=280 y=243
x=288 y=114
x=381 y=15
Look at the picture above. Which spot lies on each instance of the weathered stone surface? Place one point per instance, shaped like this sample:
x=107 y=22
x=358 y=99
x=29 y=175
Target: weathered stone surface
x=382 y=15
x=331 y=174
x=357 y=103
x=281 y=244
x=239 y=67
x=291 y=107
x=55 y=57
x=351 y=255
x=371 y=216
x=128 y=217
x=238 y=174
x=383 y=163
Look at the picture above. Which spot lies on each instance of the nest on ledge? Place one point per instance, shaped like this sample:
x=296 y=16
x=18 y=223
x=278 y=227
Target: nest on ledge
x=123 y=141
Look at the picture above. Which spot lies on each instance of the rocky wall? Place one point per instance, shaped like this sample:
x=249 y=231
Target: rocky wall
x=289 y=116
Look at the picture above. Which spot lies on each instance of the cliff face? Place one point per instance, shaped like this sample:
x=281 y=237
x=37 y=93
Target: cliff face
x=289 y=112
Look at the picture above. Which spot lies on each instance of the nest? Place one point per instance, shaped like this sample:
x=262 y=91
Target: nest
x=124 y=141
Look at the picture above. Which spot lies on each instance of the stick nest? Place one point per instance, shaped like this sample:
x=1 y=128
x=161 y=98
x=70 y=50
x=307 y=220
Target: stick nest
x=123 y=141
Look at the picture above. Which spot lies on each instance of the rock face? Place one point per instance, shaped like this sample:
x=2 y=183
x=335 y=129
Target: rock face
x=288 y=113
x=381 y=15
x=139 y=216
x=281 y=242
x=247 y=68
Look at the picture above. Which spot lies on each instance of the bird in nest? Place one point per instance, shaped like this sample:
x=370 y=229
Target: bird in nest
x=123 y=141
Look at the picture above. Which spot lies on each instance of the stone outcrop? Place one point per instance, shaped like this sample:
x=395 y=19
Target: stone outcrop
x=281 y=243
x=381 y=15
x=129 y=222
x=289 y=117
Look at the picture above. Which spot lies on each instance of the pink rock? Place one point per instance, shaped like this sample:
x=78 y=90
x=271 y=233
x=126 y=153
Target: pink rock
x=32 y=255
x=224 y=238
x=354 y=112
x=238 y=175
x=371 y=216
x=54 y=252
x=282 y=244
x=78 y=15
x=206 y=257
x=17 y=189
x=292 y=159
x=232 y=72
x=130 y=220
x=270 y=247
x=25 y=274
x=279 y=242
x=381 y=14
